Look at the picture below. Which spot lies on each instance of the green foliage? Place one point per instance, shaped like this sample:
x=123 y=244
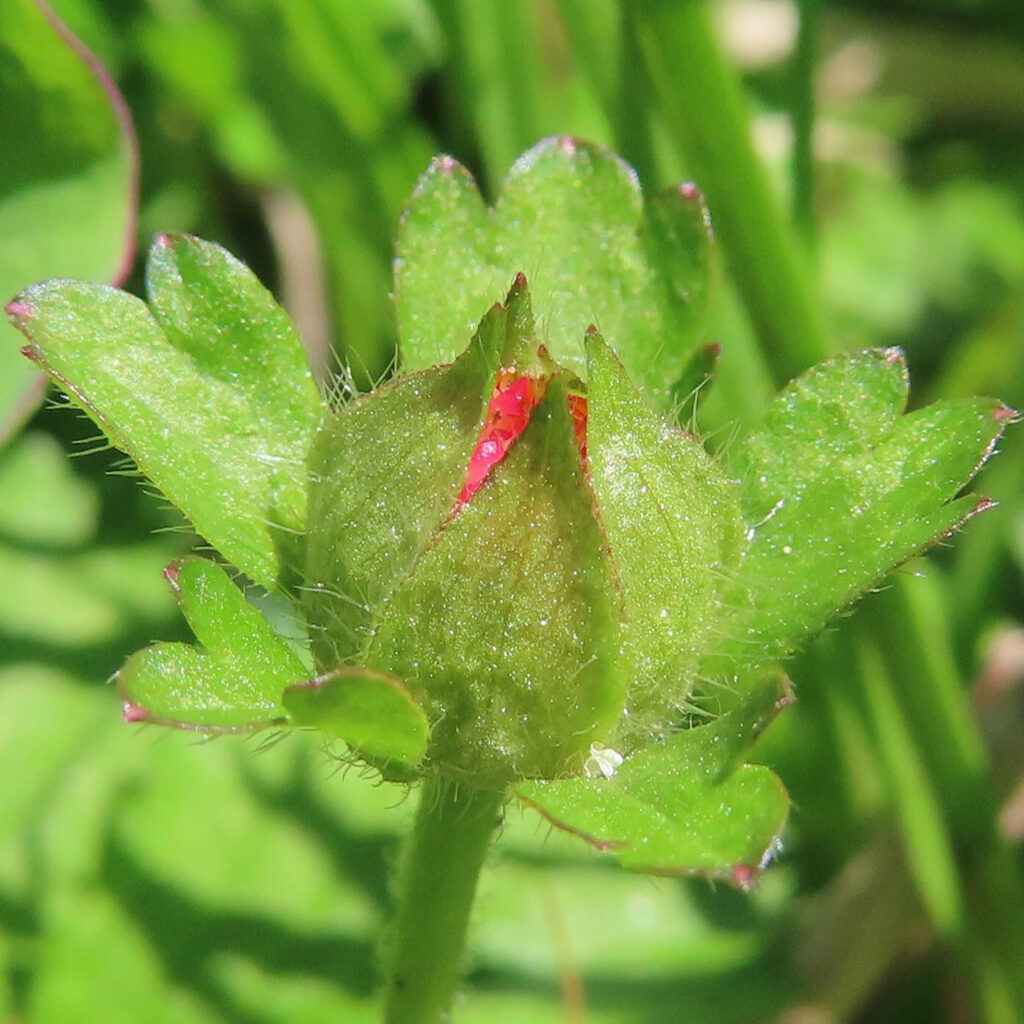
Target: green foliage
x=513 y=624
x=36 y=466
x=840 y=487
x=372 y=712
x=234 y=682
x=203 y=883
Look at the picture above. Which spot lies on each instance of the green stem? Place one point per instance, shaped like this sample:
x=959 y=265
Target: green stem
x=704 y=104
x=497 y=78
x=802 y=114
x=437 y=881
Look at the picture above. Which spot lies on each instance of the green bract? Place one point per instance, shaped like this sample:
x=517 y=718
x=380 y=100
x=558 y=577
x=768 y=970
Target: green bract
x=510 y=567
x=572 y=217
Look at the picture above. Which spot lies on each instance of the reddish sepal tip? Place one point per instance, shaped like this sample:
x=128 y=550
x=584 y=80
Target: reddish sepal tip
x=164 y=240
x=1005 y=414
x=983 y=505
x=31 y=352
x=132 y=712
x=744 y=877
x=172 y=574
x=18 y=311
x=689 y=191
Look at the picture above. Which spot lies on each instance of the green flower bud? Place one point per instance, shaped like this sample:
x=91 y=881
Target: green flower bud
x=538 y=560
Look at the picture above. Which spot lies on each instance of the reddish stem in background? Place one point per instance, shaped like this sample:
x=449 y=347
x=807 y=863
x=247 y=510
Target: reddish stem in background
x=124 y=117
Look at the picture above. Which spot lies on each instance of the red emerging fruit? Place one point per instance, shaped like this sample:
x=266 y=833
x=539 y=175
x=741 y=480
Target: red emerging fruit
x=508 y=413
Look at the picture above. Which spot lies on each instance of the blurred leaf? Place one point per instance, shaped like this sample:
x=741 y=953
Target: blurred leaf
x=211 y=395
x=67 y=180
x=925 y=828
x=840 y=487
x=944 y=252
x=233 y=683
x=702 y=97
x=46 y=720
x=94 y=948
x=685 y=805
x=674 y=526
x=71 y=601
x=372 y=712
x=44 y=502
x=571 y=216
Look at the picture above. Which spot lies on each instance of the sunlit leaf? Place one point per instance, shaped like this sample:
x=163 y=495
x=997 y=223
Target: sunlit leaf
x=840 y=487
x=210 y=394
x=685 y=805
x=372 y=712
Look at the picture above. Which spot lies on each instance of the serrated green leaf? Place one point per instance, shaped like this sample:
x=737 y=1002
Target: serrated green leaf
x=673 y=522
x=840 y=487
x=234 y=683
x=217 y=407
x=212 y=307
x=684 y=805
x=507 y=630
x=67 y=193
x=385 y=472
x=571 y=216
x=371 y=711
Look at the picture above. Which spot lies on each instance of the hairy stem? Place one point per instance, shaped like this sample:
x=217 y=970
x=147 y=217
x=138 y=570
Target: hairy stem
x=437 y=881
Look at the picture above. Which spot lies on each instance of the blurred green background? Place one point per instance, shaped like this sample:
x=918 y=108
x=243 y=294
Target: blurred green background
x=148 y=877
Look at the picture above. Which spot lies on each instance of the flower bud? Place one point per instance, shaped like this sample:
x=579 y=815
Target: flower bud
x=538 y=560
